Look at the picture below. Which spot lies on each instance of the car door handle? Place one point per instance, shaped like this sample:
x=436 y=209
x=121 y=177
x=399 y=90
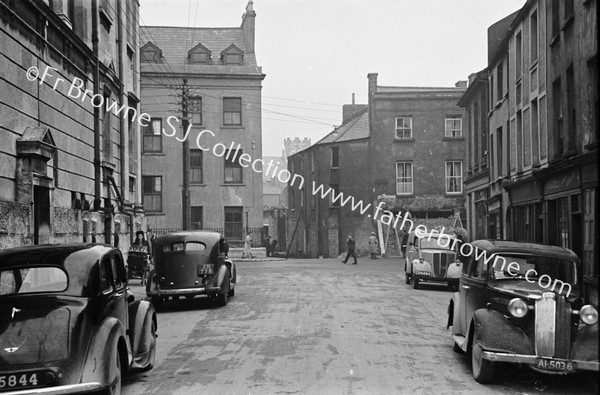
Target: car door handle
x=466 y=287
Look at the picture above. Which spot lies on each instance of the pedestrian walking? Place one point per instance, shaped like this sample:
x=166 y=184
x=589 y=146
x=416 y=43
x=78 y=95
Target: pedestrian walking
x=373 y=243
x=268 y=245
x=247 y=247
x=351 y=249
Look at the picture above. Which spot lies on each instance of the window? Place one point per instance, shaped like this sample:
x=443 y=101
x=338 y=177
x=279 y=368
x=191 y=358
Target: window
x=195 y=110
x=152 y=193
x=571 y=111
x=199 y=57
x=453 y=127
x=500 y=170
x=533 y=26
x=152 y=136
x=404 y=178
x=454 y=176
x=589 y=250
x=233 y=168
x=150 y=53
x=233 y=223
x=196 y=166
x=535 y=132
x=132 y=186
x=404 y=127
x=500 y=82
x=232 y=111
x=555 y=17
x=335 y=157
x=232 y=58
x=557 y=115
x=106 y=129
x=568 y=9
x=196 y=217
x=519 y=56
x=334 y=193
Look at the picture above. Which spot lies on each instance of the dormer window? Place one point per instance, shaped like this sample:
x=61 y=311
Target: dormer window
x=199 y=54
x=232 y=55
x=150 y=53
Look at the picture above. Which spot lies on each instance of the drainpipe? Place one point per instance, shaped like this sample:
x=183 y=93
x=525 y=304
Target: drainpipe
x=96 y=82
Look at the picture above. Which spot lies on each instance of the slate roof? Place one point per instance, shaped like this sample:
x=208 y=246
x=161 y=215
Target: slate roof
x=175 y=43
x=355 y=128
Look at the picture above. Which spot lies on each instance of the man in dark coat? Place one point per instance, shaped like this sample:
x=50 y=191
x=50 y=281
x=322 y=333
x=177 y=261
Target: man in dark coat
x=351 y=249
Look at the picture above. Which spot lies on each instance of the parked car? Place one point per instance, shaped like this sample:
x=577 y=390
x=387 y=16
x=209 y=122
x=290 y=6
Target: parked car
x=68 y=323
x=430 y=258
x=522 y=303
x=138 y=263
x=191 y=263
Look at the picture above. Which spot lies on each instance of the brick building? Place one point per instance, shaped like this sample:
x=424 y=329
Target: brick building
x=208 y=186
x=69 y=170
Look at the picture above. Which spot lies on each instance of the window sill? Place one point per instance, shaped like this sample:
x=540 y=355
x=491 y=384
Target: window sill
x=533 y=65
x=232 y=126
x=147 y=213
x=154 y=153
x=398 y=140
x=555 y=39
x=233 y=184
x=454 y=193
x=197 y=184
x=446 y=138
x=404 y=195
x=567 y=23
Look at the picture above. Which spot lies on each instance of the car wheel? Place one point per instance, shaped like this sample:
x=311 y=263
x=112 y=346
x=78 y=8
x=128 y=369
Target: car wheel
x=456 y=348
x=152 y=356
x=406 y=278
x=483 y=370
x=415 y=283
x=157 y=302
x=222 y=297
x=231 y=291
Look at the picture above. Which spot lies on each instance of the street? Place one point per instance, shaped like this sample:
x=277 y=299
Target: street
x=320 y=327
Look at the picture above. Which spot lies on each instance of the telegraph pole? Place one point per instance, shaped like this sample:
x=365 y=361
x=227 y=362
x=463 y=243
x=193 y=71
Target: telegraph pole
x=185 y=193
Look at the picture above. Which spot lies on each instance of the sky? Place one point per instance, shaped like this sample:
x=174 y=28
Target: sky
x=317 y=53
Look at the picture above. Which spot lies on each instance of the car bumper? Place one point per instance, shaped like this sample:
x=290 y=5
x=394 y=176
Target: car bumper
x=183 y=291
x=61 y=389
x=424 y=277
x=532 y=359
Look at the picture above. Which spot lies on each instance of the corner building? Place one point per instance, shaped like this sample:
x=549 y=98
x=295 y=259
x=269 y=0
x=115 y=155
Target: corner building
x=214 y=71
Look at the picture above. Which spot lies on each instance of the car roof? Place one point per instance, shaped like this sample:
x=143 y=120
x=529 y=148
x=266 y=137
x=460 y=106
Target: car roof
x=204 y=236
x=524 y=248
x=77 y=259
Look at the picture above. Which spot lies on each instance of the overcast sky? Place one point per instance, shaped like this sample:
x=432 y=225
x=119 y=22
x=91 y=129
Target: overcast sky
x=316 y=53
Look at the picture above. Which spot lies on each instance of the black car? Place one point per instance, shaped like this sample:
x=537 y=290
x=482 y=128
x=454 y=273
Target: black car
x=522 y=303
x=67 y=321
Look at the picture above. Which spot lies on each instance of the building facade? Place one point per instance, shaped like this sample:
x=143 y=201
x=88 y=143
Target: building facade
x=203 y=176
x=477 y=172
x=543 y=127
x=69 y=166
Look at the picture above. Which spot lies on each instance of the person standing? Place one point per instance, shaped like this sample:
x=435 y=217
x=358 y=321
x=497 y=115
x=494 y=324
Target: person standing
x=351 y=249
x=373 y=245
x=247 y=246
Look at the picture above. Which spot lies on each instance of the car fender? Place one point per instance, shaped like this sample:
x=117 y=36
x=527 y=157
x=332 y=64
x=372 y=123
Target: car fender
x=141 y=317
x=223 y=271
x=495 y=332
x=585 y=345
x=232 y=271
x=98 y=364
x=454 y=270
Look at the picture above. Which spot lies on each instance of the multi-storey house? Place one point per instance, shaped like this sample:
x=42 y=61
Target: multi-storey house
x=206 y=175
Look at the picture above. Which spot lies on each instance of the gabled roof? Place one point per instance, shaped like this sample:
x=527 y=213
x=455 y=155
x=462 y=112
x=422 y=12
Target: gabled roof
x=232 y=48
x=150 y=46
x=199 y=48
x=355 y=128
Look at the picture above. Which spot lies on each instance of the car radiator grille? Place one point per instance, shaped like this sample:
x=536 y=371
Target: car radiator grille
x=552 y=326
x=440 y=264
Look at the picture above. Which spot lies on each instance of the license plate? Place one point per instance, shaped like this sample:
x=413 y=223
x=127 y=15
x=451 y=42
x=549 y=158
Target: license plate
x=557 y=366
x=422 y=273
x=205 y=269
x=21 y=380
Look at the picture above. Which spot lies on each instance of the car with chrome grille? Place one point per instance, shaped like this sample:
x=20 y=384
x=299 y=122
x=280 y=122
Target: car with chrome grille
x=430 y=258
x=189 y=264
x=522 y=303
x=68 y=324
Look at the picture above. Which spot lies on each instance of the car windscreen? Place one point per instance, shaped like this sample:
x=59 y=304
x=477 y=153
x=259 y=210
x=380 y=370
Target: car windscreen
x=32 y=280
x=188 y=246
x=434 y=242
x=532 y=268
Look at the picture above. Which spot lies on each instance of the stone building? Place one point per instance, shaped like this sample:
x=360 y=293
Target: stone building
x=543 y=128
x=208 y=180
x=69 y=166
x=403 y=154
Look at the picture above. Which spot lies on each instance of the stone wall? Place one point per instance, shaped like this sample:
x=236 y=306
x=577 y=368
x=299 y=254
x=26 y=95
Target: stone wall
x=15 y=225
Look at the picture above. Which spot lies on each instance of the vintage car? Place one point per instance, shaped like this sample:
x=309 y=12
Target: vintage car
x=68 y=323
x=138 y=263
x=430 y=258
x=522 y=303
x=190 y=263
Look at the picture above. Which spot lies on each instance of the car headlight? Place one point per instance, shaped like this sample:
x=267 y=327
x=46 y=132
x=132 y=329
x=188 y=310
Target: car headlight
x=588 y=314
x=518 y=308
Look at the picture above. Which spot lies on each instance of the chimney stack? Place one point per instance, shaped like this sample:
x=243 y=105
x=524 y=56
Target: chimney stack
x=248 y=26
